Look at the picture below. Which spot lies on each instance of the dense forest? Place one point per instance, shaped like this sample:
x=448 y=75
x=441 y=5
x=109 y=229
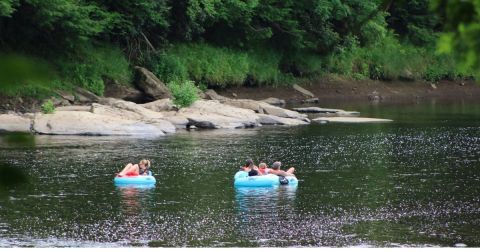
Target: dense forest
x=212 y=43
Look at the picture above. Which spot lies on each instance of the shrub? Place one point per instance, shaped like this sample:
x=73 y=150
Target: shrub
x=184 y=93
x=48 y=107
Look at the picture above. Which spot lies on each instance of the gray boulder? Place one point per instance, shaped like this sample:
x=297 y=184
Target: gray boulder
x=147 y=82
x=213 y=114
x=275 y=120
x=274 y=101
x=125 y=92
x=12 y=122
x=212 y=95
x=259 y=107
x=303 y=91
x=161 y=105
x=85 y=96
x=86 y=123
x=406 y=75
x=67 y=96
x=131 y=106
x=179 y=121
x=134 y=112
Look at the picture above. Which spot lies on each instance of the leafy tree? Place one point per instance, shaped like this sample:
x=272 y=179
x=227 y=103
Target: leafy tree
x=415 y=21
x=54 y=24
x=7 y=7
x=141 y=26
x=461 y=31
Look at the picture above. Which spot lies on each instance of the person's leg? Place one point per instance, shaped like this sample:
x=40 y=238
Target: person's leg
x=133 y=171
x=125 y=170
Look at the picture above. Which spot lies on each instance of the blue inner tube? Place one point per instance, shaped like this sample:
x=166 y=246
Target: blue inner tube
x=136 y=180
x=242 y=179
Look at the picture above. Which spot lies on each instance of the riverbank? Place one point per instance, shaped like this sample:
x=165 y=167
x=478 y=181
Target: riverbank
x=330 y=89
x=336 y=89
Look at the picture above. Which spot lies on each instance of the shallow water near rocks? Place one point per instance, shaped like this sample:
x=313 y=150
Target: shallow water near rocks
x=411 y=183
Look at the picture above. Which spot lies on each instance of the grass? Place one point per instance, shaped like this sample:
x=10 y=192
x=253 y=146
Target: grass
x=390 y=59
x=218 y=66
x=91 y=65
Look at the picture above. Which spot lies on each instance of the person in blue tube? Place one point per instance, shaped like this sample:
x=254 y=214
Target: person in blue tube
x=140 y=169
x=277 y=171
x=250 y=167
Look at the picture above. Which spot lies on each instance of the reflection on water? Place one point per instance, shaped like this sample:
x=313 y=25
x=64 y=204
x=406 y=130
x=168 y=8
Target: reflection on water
x=413 y=182
x=254 y=201
x=262 y=211
x=132 y=197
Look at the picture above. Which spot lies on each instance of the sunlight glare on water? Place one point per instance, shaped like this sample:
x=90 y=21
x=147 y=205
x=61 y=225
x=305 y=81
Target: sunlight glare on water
x=413 y=182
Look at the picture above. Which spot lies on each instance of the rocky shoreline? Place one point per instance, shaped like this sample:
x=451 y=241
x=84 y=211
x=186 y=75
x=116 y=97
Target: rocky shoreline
x=111 y=116
x=83 y=113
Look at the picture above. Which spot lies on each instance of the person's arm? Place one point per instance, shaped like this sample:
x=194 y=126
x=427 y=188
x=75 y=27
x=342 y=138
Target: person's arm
x=280 y=173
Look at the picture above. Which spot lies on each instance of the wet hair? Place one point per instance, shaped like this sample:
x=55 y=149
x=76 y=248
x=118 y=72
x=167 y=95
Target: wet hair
x=253 y=173
x=276 y=165
x=145 y=162
x=248 y=162
x=262 y=165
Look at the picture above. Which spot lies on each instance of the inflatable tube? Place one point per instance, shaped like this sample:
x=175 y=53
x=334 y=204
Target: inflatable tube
x=135 y=180
x=135 y=186
x=241 y=179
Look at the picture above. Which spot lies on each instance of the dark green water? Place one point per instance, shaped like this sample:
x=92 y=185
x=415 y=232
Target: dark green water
x=414 y=182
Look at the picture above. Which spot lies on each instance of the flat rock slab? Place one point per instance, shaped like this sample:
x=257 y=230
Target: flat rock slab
x=341 y=119
x=15 y=123
x=327 y=111
x=303 y=91
x=276 y=120
x=274 y=101
x=86 y=123
x=317 y=110
x=74 y=108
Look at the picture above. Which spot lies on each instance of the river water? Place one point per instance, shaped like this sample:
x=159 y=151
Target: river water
x=413 y=182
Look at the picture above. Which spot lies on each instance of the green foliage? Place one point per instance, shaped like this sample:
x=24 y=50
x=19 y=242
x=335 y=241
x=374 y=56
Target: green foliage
x=16 y=70
x=390 y=59
x=22 y=75
x=462 y=32
x=237 y=42
x=264 y=66
x=169 y=67
x=48 y=107
x=7 y=7
x=414 y=21
x=218 y=66
x=185 y=93
x=92 y=65
x=203 y=63
x=55 y=23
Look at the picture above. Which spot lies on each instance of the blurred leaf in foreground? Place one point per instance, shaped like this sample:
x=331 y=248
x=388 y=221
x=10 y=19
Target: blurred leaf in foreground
x=11 y=176
x=18 y=140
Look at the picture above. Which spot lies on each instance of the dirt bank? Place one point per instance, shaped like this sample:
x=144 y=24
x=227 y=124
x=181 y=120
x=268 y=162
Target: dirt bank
x=333 y=89
x=328 y=90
